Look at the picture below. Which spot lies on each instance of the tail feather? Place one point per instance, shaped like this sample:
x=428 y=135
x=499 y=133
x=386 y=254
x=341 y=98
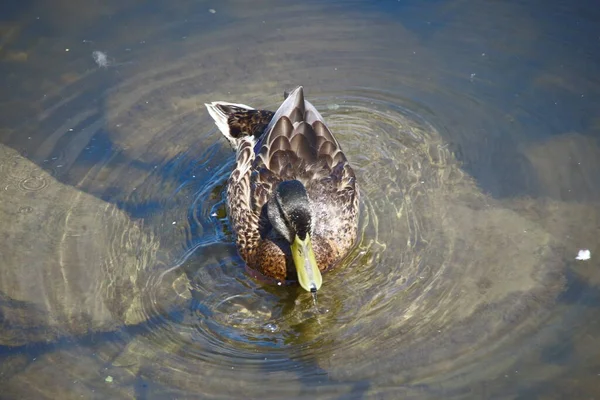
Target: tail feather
x=220 y=112
x=238 y=122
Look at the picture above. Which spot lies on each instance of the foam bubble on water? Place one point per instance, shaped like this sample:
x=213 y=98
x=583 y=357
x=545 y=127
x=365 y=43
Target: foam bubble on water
x=583 y=255
x=100 y=58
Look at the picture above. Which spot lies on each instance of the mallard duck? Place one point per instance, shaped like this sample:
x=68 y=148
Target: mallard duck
x=292 y=197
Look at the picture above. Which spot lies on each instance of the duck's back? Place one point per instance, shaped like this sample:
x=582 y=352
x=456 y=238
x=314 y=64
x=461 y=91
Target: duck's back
x=298 y=145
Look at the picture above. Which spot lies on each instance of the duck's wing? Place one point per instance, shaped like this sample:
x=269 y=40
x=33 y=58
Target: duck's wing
x=298 y=145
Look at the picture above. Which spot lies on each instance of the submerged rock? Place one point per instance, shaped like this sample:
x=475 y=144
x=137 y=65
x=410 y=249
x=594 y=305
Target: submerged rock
x=72 y=264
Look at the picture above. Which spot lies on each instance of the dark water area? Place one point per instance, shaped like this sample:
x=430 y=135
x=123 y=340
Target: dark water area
x=474 y=131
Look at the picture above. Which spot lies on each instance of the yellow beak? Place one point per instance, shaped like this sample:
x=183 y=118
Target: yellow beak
x=309 y=275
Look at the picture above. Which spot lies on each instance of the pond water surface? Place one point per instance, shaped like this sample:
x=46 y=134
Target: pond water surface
x=474 y=131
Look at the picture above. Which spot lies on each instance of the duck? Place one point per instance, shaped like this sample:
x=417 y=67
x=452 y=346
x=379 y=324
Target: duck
x=292 y=196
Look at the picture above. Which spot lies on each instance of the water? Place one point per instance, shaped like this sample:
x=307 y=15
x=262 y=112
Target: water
x=475 y=144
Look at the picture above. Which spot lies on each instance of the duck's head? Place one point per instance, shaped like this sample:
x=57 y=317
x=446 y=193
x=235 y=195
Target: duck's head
x=290 y=214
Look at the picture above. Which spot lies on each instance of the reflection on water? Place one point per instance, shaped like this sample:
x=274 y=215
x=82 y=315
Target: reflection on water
x=475 y=148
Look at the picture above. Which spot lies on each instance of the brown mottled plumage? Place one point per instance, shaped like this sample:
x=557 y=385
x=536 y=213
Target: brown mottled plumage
x=244 y=122
x=292 y=144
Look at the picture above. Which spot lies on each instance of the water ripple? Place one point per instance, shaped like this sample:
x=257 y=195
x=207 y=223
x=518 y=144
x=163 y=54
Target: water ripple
x=443 y=285
x=416 y=281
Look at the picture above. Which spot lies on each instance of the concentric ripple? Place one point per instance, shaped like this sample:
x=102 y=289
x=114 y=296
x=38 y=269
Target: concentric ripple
x=421 y=288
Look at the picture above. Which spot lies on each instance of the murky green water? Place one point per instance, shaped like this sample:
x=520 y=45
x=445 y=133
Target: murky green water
x=476 y=147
